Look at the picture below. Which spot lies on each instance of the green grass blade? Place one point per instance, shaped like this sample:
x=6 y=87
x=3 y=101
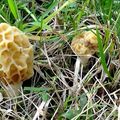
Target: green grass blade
x=102 y=55
x=46 y=20
x=13 y=8
x=51 y=7
x=107 y=8
x=30 y=13
x=56 y=12
x=35 y=89
x=80 y=14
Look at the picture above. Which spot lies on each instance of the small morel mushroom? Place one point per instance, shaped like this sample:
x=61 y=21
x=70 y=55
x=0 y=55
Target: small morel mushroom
x=85 y=45
x=16 y=58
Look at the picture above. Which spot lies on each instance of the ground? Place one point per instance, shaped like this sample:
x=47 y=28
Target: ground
x=62 y=88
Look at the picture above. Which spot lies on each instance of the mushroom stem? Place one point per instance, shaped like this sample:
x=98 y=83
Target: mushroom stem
x=76 y=72
x=12 y=90
x=77 y=69
x=84 y=59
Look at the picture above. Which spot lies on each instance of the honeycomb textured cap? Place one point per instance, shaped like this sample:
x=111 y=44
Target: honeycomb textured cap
x=85 y=43
x=16 y=55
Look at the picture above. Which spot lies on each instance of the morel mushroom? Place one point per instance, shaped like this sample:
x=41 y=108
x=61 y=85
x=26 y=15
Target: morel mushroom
x=16 y=58
x=85 y=45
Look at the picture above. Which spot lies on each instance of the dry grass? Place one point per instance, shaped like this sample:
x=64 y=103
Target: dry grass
x=62 y=88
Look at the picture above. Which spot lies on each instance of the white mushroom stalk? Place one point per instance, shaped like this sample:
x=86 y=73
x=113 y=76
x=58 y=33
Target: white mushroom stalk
x=16 y=58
